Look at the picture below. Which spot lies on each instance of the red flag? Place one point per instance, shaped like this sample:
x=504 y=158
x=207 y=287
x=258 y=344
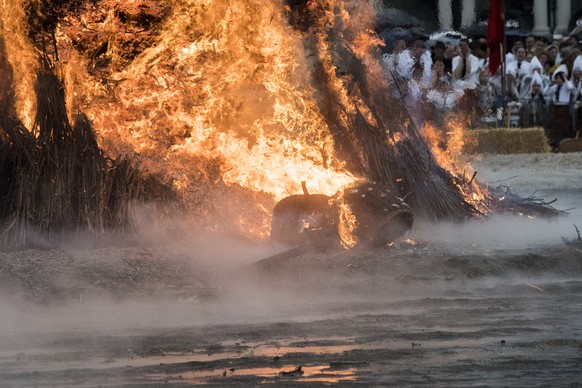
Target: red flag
x=495 y=32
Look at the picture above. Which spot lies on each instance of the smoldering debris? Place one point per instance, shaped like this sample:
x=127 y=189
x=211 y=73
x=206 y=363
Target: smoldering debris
x=575 y=242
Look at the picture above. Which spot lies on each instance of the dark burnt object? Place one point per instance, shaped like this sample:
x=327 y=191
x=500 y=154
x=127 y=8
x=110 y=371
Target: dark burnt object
x=382 y=217
x=306 y=219
x=313 y=219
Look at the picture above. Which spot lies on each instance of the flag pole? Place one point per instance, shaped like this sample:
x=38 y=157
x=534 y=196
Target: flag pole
x=497 y=42
x=502 y=47
x=503 y=87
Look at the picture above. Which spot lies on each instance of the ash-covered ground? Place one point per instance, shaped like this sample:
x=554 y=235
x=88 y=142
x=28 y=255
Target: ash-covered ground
x=494 y=302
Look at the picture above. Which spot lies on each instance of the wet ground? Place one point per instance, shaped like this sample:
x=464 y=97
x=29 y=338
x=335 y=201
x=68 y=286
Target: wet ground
x=410 y=316
x=503 y=342
x=491 y=303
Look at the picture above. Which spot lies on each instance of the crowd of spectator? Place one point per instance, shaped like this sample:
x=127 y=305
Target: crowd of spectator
x=541 y=84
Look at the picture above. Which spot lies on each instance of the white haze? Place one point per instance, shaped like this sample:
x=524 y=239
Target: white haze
x=250 y=299
x=502 y=232
x=546 y=176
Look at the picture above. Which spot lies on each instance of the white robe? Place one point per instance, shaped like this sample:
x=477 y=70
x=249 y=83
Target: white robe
x=563 y=97
x=473 y=71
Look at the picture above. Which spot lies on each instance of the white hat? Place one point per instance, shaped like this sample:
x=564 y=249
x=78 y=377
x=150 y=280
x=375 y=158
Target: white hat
x=560 y=69
x=535 y=64
x=537 y=79
x=577 y=63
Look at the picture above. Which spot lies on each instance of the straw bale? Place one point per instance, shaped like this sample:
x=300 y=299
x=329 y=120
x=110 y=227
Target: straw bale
x=506 y=141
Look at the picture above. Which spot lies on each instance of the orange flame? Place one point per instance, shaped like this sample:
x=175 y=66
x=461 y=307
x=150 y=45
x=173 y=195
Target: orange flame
x=222 y=82
x=219 y=95
x=347 y=226
x=447 y=145
x=21 y=55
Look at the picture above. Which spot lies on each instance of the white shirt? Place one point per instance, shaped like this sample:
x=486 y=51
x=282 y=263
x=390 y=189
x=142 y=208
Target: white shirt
x=474 y=67
x=563 y=97
x=405 y=64
x=522 y=68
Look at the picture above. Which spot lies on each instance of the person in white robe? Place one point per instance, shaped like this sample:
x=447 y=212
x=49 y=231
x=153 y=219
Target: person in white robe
x=559 y=93
x=535 y=66
x=534 y=104
x=576 y=97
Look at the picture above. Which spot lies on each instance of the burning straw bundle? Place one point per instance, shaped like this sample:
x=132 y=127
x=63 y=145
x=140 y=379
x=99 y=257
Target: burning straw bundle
x=372 y=131
x=368 y=118
x=55 y=178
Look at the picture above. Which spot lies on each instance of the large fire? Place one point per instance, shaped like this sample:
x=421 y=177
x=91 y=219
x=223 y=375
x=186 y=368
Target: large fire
x=217 y=97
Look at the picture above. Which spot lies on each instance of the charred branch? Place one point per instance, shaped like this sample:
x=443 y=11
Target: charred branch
x=577 y=242
x=504 y=200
